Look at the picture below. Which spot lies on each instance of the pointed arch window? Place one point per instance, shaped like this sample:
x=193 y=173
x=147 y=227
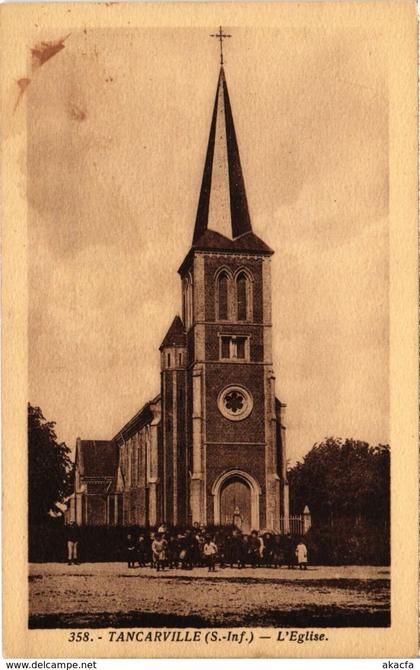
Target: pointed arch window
x=223 y=296
x=242 y=297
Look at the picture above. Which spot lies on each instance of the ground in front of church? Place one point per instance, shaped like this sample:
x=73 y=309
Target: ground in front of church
x=104 y=595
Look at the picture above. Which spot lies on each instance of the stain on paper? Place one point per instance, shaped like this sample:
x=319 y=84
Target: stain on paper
x=43 y=51
x=76 y=113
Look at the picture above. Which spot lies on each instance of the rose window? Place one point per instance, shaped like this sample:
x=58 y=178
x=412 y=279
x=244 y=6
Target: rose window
x=235 y=403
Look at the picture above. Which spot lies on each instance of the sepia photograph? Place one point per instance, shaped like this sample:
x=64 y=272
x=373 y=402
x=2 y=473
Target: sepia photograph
x=209 y=266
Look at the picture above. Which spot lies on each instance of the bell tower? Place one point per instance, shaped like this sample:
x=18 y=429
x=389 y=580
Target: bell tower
x=234 y=445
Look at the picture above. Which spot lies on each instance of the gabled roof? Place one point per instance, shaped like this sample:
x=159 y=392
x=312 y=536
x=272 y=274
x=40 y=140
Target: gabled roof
x=175 y=337
x=212 y=241
x=140 y=419
x=97 y=458
x=247 y=242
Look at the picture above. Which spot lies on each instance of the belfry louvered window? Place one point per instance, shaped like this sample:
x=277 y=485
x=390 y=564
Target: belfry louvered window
x=223 y=296
x=242 y=307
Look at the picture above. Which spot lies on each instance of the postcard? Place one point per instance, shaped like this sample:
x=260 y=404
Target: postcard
x=210 y=330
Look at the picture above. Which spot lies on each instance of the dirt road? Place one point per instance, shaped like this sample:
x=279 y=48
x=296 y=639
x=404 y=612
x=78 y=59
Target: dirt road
x=111 y=595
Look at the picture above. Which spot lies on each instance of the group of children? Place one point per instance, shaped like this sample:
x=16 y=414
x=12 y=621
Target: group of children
x=196 y=547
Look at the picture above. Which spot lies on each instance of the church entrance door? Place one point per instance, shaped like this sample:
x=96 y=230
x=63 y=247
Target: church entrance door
x=235 y=504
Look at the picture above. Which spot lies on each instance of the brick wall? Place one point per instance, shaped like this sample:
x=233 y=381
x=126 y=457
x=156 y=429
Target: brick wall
x=218 y=428
x=182 y=474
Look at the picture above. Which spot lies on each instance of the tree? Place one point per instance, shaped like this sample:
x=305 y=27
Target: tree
x=346 y=478
x=50 y=470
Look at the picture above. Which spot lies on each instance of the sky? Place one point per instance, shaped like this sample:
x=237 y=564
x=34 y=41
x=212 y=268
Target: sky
x=118 y=124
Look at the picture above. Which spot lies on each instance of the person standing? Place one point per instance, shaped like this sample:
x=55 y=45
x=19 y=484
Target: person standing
x=141 y=551
x=210 y=553
x=131 y=550
x=220 y=542
x=159 y=552
x=302 y=555
x=254 y=549
x=268 y=549
x=278 y=553
x=197 y=543
x=188 y=550
x=172 y=551
x=236 y=549
x=183 y=550
x=72 y=537
x=201 y=539
x=226 y=548
x=245 y=559
x=150 y=555
x=290 y=552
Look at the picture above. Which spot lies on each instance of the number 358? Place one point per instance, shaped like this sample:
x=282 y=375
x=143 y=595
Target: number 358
x=79 y=636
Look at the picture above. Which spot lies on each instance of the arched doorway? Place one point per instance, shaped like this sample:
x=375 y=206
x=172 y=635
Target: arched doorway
x=235 y=504
x=236 y=496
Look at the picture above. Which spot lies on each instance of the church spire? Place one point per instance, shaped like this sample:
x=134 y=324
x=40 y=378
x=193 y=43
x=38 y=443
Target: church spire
x=223 y=206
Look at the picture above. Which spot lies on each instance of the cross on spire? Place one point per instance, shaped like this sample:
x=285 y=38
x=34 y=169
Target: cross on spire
x=221 y=36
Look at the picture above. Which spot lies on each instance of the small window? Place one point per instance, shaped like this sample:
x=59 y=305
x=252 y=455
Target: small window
x=226 y=347
x=179 y=359
x=188 y=301
x=240 y=347
x=233 y=348
x=169 y=360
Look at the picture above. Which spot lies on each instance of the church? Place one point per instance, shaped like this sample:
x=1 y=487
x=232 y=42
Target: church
x=210 y=447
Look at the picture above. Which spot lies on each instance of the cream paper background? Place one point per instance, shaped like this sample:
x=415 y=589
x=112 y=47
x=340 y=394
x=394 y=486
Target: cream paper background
x=24 y=26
